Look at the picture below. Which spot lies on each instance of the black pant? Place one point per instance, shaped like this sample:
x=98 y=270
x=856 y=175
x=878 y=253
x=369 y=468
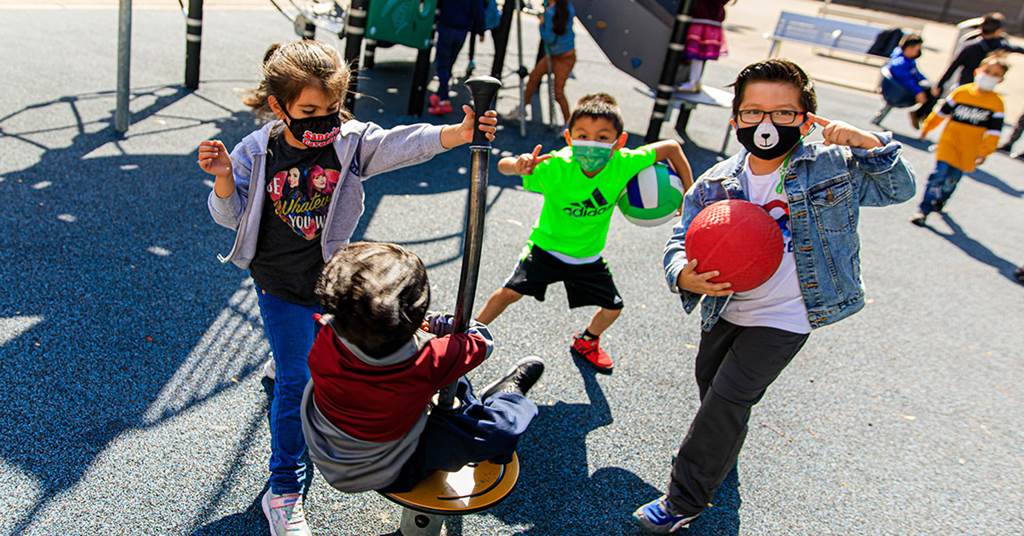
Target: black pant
x=922 y=110
x=735 y=365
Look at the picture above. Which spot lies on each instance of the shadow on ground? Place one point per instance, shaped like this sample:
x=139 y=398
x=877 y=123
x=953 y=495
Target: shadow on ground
x=976 y=250
x=557 y=494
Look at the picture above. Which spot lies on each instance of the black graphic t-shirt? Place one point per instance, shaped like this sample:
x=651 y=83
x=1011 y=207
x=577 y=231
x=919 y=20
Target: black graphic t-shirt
x=299 y=186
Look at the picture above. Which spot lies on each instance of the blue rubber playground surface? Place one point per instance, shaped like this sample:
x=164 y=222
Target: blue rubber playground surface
x=130 y=381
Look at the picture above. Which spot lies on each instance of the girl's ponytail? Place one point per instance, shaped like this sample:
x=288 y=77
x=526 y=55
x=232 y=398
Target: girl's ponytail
x=288 y=68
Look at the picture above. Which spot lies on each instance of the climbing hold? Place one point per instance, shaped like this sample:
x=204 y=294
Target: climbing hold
x=600 y=25
x=636 y=62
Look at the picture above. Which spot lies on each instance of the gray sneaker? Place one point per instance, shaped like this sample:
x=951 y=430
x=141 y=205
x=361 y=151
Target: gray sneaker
x=270 y=369
x=285 y=514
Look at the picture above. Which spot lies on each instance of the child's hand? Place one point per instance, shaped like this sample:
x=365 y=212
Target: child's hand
x=698 y=283
x=980 y=160
x=488 y=124
x=527 y=161
x=214 y=159
x=439 y=324
x=842 y=133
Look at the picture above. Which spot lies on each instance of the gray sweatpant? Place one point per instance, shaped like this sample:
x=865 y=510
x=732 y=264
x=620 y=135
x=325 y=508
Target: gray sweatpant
x=735 y=365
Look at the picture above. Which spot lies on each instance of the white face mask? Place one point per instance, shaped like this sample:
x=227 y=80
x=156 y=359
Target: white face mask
x=986 y=81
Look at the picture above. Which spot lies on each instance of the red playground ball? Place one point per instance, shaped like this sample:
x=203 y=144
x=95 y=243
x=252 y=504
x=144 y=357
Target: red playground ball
x=739 y=240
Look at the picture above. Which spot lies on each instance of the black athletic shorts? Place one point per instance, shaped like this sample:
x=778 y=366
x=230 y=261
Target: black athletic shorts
x=585 y=284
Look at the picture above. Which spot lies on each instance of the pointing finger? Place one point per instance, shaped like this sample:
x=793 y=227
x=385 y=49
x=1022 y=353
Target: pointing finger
x=818 y=120
x=536 y=150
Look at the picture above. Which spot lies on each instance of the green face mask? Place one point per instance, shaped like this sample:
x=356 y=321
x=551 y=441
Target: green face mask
x=591 y=155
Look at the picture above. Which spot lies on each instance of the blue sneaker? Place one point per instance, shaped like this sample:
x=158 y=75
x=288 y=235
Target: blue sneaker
x=655 y=518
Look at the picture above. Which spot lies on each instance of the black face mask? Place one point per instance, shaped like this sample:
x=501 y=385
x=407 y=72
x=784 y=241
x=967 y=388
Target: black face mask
x=315 y=132
x=767 y=140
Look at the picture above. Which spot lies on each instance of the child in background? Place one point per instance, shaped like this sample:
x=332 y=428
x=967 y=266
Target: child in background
x=705 y=39
x=374 y=371
x=580 y=184
x=975 y=114
x=905 y=85
x=559 y=43
x=284 y=240
x=456 y=19
x=814 y=191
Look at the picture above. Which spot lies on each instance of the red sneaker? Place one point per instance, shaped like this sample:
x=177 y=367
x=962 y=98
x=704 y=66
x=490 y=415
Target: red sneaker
x=591 y=352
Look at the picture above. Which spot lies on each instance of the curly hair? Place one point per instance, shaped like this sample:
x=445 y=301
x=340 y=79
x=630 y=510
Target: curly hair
x=378 y=294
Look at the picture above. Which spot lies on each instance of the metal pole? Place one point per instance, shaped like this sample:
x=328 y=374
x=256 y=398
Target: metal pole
x=500 y=35
x=483 y=89
x=551 y=85
x=666 y=83
x=521 y=71
x=471 y=66
x=122 y=119
x=355 y=27
x=369 y=54
x=420 y=79
x=193 y=42
x=419 y=524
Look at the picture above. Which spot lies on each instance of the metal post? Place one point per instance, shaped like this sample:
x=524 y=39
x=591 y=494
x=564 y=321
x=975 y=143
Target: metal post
x=369 y=54
x=521 y=70
x=355 y=27
x=666 y=84
x=122 y=118
x=471 y=66
x=551 y=86
x=420 y=78
x=419 y=524
x=483 y=89
x=500 y=35
x=193 y=42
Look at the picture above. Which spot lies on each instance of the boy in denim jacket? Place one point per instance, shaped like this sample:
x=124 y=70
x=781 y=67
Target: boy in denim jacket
x=814 y=192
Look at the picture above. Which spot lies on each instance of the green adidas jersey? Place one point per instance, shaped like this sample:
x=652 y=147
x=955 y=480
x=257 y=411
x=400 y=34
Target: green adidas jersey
x=578 y=209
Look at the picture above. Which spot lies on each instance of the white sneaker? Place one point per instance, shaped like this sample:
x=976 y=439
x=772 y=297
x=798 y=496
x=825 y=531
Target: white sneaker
x=513 y=116
x=285 y=515
x=270 y=369
x=688 y=87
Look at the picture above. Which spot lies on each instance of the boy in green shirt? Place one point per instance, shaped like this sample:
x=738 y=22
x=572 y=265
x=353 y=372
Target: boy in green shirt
x=580 y=184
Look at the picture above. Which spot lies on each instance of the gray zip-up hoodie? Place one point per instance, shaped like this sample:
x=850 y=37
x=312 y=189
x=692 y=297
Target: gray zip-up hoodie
x=364 y=150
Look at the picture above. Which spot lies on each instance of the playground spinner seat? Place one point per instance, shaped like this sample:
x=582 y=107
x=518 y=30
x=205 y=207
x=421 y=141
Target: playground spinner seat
x=473 y=488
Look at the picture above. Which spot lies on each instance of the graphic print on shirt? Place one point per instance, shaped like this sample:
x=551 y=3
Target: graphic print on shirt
x=779 y=211
x=301 y=197
x=593 y=206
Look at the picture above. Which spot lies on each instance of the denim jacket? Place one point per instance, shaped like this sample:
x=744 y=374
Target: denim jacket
x=825 y=187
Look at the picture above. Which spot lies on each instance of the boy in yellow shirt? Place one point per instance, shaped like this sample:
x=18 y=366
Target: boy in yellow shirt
x=975 y=114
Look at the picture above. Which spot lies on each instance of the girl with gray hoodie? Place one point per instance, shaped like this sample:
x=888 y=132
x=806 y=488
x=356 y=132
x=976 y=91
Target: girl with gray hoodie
x=292 y=191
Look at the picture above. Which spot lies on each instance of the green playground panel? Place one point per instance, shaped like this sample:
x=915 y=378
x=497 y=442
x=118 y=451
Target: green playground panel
x=406 y=22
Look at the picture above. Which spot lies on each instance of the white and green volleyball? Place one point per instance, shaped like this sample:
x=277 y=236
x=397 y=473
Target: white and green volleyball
x=652 y=196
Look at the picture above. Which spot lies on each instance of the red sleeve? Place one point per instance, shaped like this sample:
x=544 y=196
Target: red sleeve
x=457 y=354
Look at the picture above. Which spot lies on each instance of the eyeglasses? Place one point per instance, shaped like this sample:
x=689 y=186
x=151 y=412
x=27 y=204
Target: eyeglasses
x=779 y=117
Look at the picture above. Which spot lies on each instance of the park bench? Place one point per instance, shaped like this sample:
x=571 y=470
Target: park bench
x=829 y=34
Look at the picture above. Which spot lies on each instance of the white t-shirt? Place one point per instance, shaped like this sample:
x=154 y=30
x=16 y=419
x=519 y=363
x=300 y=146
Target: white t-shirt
x=777 y=303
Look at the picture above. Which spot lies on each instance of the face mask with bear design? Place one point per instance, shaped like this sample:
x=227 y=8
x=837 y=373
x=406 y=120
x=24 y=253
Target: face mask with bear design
x=767 y=140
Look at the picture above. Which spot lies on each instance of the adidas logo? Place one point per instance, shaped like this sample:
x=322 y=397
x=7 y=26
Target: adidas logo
x=595 y=206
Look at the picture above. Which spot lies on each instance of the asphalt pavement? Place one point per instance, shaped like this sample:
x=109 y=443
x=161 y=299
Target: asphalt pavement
x=130 y=358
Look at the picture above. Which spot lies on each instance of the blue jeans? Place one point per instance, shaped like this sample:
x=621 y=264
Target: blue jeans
x=291 y=329
x=941 y=184
x=475 y=432
x=449 y=43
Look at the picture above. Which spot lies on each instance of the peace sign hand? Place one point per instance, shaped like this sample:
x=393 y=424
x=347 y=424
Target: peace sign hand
x=527 y=161
x=843 y=133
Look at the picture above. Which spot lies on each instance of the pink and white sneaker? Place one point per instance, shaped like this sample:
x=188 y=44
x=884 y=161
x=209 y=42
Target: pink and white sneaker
x=285 y=514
